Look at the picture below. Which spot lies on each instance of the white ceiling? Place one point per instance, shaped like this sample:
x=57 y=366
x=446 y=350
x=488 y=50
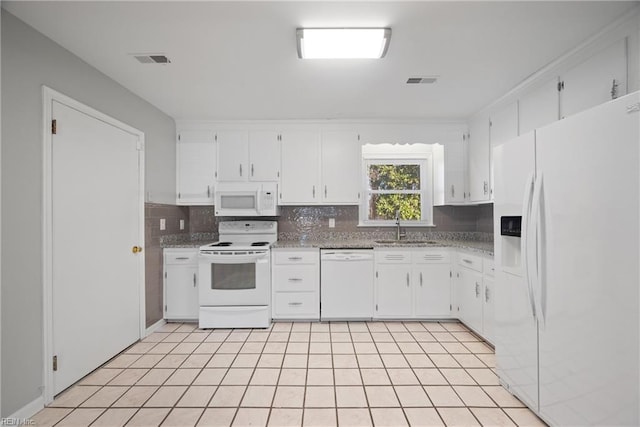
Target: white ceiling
x=237 y=60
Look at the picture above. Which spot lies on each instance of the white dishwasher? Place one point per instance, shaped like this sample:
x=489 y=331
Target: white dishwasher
x=346 y=284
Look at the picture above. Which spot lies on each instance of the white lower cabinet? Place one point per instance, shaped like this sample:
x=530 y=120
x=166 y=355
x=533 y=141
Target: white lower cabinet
x=432 y=284
x=393 y=295
x=474 y=293
x=295 y=284
x=181 y=284
x=412 y=284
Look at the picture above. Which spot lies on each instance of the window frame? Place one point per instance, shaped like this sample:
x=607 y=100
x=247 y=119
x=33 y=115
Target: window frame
x=425 y=161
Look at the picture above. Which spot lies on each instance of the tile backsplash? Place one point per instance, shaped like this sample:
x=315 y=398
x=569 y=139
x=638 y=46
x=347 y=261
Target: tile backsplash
x=294 y=222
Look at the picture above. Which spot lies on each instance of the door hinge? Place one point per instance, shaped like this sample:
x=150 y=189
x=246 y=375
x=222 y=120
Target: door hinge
x=560 y=86
x=54 y=127
x=165 y=307
x=165 y=274
x=55 y=363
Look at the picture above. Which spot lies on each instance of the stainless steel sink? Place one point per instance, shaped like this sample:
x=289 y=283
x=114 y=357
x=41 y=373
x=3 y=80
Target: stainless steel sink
x=406 y=242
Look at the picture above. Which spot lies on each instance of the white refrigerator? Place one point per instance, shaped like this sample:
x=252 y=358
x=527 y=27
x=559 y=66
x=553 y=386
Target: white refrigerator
x=567 y=288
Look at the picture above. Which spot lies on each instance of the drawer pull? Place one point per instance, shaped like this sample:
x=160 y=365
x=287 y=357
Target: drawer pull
x=182 y=257
x=295 y=303
x=295 y=258
x=468 y=261
x=295 y=279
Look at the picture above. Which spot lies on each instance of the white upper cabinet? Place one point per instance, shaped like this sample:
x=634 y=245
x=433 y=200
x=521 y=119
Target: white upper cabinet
x=455 y=171
x=503 y=125
x=478 y=159
x=264 y=156
x=320 y=168
x=599 y=79
x=196 y=165
x=233 y=155
x=248 y=156
x=341 y=159
x=300 y=176
x=539 y=107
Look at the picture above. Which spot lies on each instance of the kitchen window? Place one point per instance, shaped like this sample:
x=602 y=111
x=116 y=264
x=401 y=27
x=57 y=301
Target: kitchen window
x=397 y=184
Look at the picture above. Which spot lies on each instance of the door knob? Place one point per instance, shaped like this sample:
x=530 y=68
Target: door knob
x=136 y=249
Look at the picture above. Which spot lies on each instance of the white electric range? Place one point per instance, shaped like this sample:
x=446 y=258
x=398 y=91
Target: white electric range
x=235 y=276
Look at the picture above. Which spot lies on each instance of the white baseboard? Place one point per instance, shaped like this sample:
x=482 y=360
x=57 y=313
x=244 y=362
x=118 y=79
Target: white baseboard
x=151 y=329
x=29 y=410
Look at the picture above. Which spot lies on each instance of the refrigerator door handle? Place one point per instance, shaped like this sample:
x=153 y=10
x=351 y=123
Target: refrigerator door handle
x=536 y=254
x=524 y=240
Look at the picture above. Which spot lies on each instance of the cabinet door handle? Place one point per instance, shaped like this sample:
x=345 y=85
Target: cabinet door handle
x=486 y=187
x=314 y=191
x=407 y=280
x=295 y=303
x=295 y=279
x=453 y=190
x=240 y=169
x=486 y=294
x=251 y=169
x=295 y=258
x=477 y=289
x=325 y=191
x=208 y=191
x=468 y=261
x=194 y=280
x=421 y=278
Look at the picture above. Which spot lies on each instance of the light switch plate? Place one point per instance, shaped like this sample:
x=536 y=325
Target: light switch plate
x=182 y=224
x=332 y=223
x=163 y=224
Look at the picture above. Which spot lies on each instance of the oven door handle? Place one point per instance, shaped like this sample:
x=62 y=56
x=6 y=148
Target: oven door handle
x=235 y=259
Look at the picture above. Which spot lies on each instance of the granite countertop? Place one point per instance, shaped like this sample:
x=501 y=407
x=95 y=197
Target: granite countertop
x=482 y=247
x=470 y=244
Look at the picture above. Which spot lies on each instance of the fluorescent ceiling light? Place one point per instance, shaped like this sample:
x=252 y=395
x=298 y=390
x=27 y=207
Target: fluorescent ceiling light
x=342 y=43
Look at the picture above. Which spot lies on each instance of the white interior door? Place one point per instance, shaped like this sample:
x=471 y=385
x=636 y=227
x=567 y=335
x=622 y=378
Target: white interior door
x=95 y=218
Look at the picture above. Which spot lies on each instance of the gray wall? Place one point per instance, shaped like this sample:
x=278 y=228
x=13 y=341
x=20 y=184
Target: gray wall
x=30 y=60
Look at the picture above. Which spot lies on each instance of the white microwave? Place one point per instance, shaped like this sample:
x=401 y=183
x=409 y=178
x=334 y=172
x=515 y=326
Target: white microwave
x=246 y=199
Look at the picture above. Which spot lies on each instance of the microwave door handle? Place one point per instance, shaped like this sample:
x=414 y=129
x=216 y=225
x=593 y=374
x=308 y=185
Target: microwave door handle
x=258 y=204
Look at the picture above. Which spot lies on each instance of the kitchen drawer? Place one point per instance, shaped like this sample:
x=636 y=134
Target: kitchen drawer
x=393 y=257
x=296 y=257
x=295 y=278
x=470 y=261
x=432 y=257
x=181 y=256
x=489 y=267
x=296 y=305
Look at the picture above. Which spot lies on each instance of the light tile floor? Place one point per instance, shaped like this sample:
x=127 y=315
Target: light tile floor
x=296 y=374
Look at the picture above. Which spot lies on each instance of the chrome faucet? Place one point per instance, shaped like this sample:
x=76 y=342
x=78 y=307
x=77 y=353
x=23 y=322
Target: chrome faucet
x=399 y=234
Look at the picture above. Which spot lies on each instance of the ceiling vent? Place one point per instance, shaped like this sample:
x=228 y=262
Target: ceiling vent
x=421 y=80
x=152 y=59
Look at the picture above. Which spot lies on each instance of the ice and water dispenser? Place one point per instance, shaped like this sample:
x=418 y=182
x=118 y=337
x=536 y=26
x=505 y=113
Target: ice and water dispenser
x=510 y=233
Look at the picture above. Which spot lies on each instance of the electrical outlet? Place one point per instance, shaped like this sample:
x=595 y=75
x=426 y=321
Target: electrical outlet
x=163 y=224
x=182 y=224
x=332 y=223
